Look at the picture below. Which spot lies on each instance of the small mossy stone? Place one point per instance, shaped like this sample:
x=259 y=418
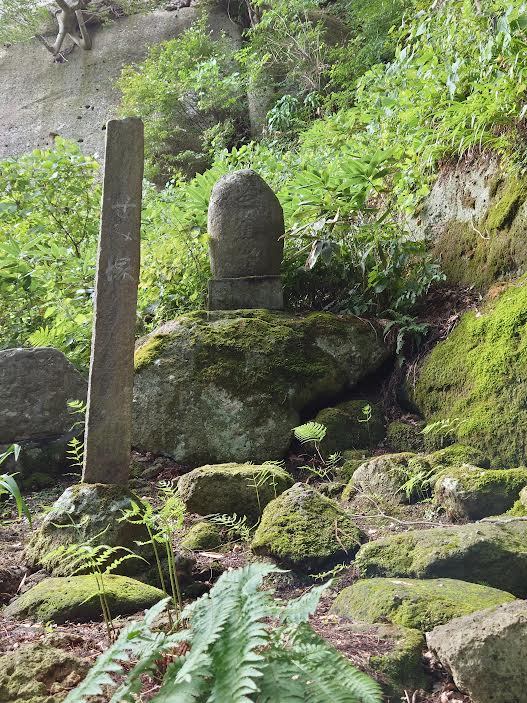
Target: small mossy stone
x=471 y=493
x=489 y=553
x=87 y=512
x=214 y=387
x=470 y=375
x=39 y=673
x=305 y=530
x=74 y=598
x=202 y=535
x=383 y=476
x=350 y=425
x=405 y=437
x=244 y=489
x=418 y=604
x=402 y=667
x=353 y=458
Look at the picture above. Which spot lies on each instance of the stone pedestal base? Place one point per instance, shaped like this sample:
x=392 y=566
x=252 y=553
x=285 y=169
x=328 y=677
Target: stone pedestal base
x=243 y=293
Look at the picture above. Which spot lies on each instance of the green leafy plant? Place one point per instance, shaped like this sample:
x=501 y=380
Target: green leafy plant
x=234 y=526
x=8 y=485
x=162 y=525
x=97 y=560
x=75 y=445
x=226 y=651
x=263 y=477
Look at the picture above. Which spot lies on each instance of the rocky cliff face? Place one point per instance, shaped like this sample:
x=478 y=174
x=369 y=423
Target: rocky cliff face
x=75 y=99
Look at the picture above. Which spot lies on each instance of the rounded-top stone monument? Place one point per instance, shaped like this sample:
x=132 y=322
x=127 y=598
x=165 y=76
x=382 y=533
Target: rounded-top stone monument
x=246 y=230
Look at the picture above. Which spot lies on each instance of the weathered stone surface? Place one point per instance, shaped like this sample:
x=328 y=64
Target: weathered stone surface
x=489 y=553
x=303 y=529
x=39 y=673
x=348 y=426
x=38 y=458
x=244 y=489
x=107 y=443
x=419 y=604
x=384 y=476
x=96 y=510
x=485 y=653
x=75 y=98
x=35 y=386
x=405 y=436
x=263 y=292
x=471 y=493
x=246 y=227
x=217 y=387
x=74 y=598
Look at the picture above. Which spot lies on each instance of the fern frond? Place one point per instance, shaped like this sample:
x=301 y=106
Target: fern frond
x=310 y=432
x=300 y=609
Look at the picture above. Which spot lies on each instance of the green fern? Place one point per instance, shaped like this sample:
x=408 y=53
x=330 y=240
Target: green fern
x=8 y=485
x=310 y=432
x=228 y=652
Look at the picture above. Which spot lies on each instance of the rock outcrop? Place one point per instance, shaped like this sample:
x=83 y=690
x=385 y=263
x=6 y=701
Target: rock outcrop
x=230 y=386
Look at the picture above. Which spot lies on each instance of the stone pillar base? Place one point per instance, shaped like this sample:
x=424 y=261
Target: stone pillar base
x=243 y=293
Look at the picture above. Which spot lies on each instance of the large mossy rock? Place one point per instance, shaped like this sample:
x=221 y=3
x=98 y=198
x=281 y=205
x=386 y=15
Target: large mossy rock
x=39 y=673
x=485 y=653
x=229 y=386
x=471 y=493
x=479 y=375
x=405 y=436
x=382 y=477
x=494 y=554
x=244 y=489
x=86 y=512
x=414 y=603
x=304 y=530
x=348 y=427
x=74 y=598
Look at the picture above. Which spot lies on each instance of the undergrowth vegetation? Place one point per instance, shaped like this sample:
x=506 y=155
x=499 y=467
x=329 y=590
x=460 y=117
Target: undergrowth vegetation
x=351 y=148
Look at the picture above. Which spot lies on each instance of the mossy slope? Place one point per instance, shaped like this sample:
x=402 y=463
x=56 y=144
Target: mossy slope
x=479 y=375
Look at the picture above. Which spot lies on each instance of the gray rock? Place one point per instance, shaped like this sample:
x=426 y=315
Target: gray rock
x=244 y=489
x=349 y=428
x=246 y=227
x=35 y=386
x=485 y=652
x=494 y=554
x=383 y=476
x=219 y=387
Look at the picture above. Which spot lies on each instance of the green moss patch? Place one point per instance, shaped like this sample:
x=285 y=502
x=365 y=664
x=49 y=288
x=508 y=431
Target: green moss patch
x=350 y=425
x=488 y=553
x=419 y=604
x=405 y=437
x=202 y=535
x=479 y=375
x=75 y=598
x=304 y=530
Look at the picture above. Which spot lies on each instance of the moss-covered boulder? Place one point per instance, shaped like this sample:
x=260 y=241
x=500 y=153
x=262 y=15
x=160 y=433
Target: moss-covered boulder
x=229 y=386
x=405 y=436
x=74 y=598
x=244 y=489
x=202 y=535
x=493 y=554
x=471 y=493
x=353 y=458
x=39 y=673
x=383 y=476
x=398 y=662
x=350 y=425
x=453 y=455
x=419 y=604
x=304 y=530
x=479 y=375
x=87 y=512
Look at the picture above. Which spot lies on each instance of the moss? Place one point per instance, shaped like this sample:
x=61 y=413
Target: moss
x=149 y=351
x=403 y=665
x=479 y=375
x=75 y=598
x=405 y=437
x=346 y=471
x=39 y=673
x=348 y=426
x=384 y=476
x=488 y=553
x=305 y=530
x=37 y=481
x=244 y=489
x=419 y=604
x=202 y=535
x=504 y=209
x=517 y=510
x=472 y=493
